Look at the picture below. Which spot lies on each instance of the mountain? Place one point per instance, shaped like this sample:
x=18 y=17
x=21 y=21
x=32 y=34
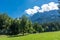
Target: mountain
x=51 y=16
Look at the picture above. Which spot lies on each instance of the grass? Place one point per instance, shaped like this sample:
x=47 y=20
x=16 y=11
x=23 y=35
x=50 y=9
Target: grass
x=37 y=36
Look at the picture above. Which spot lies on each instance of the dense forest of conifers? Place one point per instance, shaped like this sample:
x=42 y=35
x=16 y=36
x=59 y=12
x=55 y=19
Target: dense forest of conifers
x=22 y=25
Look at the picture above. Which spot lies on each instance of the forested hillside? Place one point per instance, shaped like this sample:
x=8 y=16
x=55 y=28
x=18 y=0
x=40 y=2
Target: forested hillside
x=22 y=25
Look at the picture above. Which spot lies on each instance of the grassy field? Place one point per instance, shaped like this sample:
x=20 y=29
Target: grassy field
x=37 y=36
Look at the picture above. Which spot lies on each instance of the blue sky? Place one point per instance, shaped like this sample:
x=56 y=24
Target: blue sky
x=16 y=8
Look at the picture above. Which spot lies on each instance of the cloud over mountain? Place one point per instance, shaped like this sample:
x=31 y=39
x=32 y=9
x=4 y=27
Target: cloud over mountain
x=45 y=7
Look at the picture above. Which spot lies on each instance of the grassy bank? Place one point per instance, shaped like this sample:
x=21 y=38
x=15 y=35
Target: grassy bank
x=37 y=36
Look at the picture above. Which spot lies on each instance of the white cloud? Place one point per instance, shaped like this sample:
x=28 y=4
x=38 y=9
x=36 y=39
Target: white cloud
x=45 y=7
x=32 y=11
x=36 y=8
x=53 y=6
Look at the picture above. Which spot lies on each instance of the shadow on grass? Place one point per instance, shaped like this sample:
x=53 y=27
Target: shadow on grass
x=20 y=35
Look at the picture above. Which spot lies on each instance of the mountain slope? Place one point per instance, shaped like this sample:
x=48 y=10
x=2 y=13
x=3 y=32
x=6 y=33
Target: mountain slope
x=51 y=16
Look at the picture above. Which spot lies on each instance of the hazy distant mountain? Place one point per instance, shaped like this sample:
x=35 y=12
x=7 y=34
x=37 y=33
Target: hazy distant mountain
x=51 y=16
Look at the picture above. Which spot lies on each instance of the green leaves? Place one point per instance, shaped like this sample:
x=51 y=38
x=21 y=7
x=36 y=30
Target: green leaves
x=24 y=25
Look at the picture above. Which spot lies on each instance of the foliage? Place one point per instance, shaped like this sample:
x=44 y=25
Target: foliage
x=23 y=25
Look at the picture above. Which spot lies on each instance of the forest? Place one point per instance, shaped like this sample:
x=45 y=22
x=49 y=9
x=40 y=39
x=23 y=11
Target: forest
x=22 y=25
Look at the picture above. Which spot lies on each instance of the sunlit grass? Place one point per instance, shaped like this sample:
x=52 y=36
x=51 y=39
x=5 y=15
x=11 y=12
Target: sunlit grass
x=37 y=36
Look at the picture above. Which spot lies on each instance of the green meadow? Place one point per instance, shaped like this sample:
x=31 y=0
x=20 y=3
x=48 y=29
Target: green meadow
x=37 y=36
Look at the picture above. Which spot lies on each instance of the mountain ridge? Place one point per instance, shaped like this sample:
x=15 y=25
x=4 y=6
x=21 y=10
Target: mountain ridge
x=50 y=16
